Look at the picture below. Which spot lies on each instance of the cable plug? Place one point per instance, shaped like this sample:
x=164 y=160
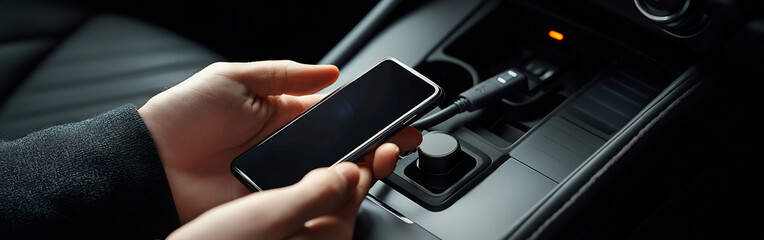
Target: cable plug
x=477 y=97
x=493 y=89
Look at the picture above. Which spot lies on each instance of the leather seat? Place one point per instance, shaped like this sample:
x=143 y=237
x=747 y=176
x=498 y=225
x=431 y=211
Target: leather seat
x=85 y=65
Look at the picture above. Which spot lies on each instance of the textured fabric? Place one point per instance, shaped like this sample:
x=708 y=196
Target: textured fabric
x=98 y=178
x=107 y=62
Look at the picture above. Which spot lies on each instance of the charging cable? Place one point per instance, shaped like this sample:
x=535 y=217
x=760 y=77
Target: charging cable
x=477 y=97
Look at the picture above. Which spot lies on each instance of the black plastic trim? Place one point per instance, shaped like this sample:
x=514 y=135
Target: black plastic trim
x=546 y=209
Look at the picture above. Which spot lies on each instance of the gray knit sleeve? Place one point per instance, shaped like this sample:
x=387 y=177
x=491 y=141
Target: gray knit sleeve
x=98 y=178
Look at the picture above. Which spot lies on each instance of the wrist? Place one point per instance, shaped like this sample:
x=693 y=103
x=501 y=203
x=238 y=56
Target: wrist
x=148 y=116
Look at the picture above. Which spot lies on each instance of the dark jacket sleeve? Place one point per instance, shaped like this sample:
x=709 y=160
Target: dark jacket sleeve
x=99 y=178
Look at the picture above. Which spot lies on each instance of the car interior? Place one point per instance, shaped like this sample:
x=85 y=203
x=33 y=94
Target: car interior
x=639 y=118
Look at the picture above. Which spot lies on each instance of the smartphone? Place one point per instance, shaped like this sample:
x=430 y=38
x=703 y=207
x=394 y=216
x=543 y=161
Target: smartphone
x=344 y=126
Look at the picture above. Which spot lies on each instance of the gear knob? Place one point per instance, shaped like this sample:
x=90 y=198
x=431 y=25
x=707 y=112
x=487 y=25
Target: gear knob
x=436 y=153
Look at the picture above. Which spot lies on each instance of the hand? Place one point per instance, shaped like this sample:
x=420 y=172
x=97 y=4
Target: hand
x=203 y=123
x=323 y=205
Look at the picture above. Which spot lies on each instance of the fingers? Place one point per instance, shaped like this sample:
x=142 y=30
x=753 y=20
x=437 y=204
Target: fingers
x=340 y=223
x=407 y=139
x=287 y=108
x=280 y=77
x=383 y=162
x=322 y=191
x=324 y=203
x=278 y=213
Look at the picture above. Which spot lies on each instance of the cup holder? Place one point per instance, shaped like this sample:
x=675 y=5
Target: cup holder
x=452 y=77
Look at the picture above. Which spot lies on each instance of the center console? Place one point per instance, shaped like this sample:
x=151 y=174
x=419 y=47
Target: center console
x=595 y=77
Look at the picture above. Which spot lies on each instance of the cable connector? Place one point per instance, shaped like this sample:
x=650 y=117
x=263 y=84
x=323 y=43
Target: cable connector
x=477 y=97
x=493 y=89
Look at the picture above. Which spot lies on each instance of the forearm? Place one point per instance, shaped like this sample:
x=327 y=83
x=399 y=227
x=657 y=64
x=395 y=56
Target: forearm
x=101 y=177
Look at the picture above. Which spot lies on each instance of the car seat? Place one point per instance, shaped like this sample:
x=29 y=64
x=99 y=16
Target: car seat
x=61 y=64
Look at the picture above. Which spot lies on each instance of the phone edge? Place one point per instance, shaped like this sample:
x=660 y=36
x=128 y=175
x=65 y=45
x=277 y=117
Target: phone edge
x=378 y=138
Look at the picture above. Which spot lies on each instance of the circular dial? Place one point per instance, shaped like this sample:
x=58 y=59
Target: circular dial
x=436 y=153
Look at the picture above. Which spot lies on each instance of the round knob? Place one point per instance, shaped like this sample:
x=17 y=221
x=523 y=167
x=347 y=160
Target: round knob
x=662 y=10
x=436 y=153
x=679 y=18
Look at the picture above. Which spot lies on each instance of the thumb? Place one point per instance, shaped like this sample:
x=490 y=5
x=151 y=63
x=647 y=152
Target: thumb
x=322 y=191
x=277 y=213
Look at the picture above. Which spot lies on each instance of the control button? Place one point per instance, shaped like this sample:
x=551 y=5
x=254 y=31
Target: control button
x=663 y=7
x=662 y=10
x=679 y=18
x=436 y=153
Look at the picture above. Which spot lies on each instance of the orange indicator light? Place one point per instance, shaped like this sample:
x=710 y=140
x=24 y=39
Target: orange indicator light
x=556 y=35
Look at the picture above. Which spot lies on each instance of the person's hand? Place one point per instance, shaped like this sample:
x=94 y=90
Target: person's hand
x=323 y=205
x=200 y=125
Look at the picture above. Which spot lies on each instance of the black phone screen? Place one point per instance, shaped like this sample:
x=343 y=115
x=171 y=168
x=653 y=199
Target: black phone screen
x=336 y=126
